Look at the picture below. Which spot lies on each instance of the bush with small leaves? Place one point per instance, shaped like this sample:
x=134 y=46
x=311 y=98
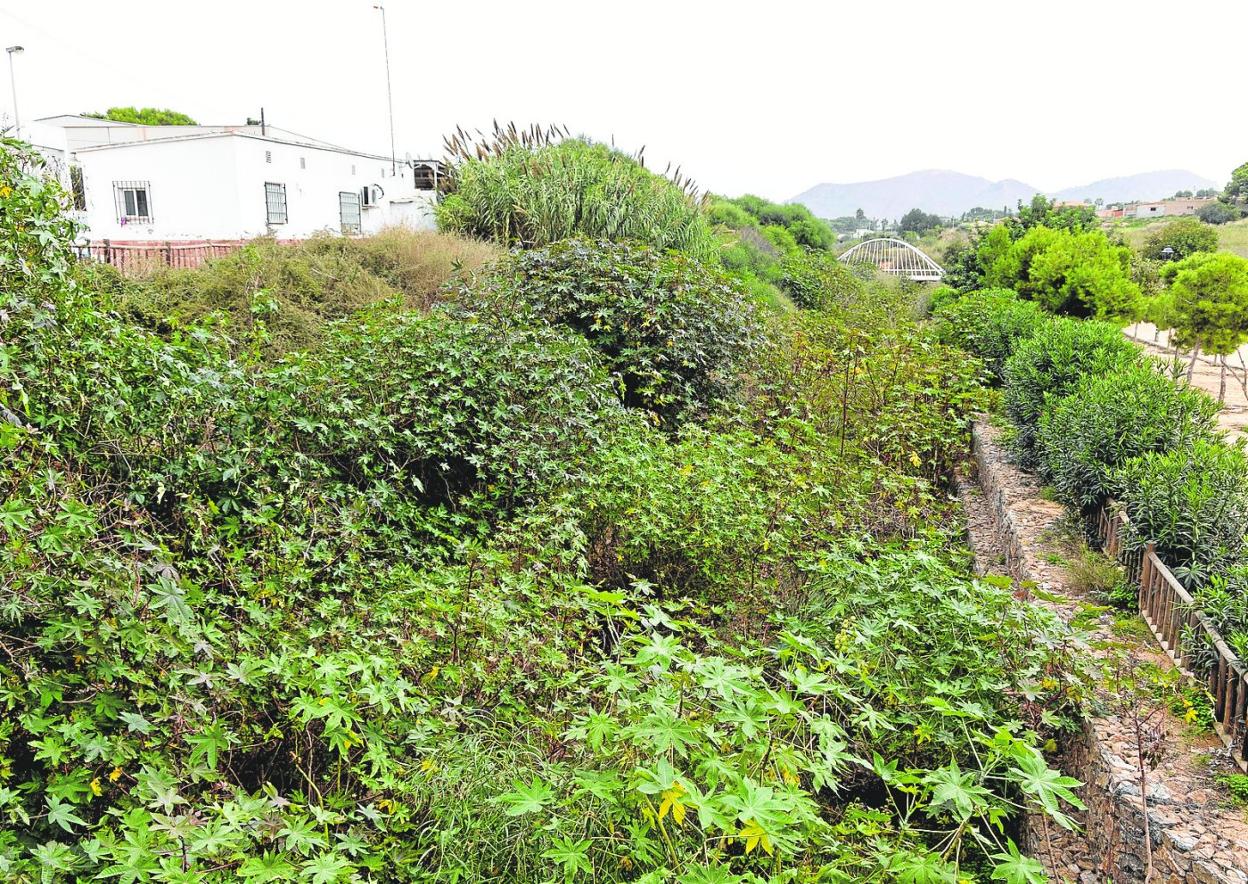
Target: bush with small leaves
x=670 y=328
x=1183 y=237
x=989 y=323
x=1049 y=364
x=1109 y=418
x=818 y=281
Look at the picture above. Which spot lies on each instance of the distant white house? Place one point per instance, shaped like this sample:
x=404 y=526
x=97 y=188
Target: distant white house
x=152 y=184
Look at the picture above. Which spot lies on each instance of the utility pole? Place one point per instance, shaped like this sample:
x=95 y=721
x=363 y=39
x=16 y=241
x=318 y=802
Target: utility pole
x=17 y=118
x=385 y=42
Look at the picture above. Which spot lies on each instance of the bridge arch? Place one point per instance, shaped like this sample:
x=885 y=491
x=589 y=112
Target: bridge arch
x=895 y=257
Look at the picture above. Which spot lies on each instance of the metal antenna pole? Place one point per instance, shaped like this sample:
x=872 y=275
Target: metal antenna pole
x=385 y=42
x=17 y=117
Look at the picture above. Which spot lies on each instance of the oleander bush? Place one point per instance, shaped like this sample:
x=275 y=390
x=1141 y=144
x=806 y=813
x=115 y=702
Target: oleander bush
x=1224 y=600
x=1048 y=366
x=672 y=330
x=1107 y=419
x=1192 y=502
x=430 y=603
x=990 y=323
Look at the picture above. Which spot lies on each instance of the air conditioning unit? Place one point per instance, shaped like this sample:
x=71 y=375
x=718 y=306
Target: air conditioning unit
x=371 y=195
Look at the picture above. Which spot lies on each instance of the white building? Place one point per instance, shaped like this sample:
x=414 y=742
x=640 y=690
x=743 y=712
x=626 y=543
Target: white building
x=151 y=184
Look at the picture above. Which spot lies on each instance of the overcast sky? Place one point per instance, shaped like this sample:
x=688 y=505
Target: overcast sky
x=766 y=97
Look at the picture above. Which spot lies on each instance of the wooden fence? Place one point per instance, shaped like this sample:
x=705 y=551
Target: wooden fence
x=1182 y=628
x=140 y=257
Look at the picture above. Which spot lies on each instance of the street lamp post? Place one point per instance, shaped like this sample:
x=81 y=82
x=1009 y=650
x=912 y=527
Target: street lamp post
x=385 y=42
x=17 y=118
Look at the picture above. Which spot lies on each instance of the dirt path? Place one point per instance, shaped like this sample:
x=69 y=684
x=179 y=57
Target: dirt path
x=1234 y=417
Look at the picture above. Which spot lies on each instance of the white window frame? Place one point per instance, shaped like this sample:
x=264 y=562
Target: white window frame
x=348 y=199
x=130 y=197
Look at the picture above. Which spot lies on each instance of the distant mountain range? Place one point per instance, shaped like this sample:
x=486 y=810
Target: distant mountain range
x=952 y=193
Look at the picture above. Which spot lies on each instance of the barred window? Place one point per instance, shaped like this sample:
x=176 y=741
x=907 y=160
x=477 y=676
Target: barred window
x=134 y=201
x=349 y=211
x=275 y=202
x=77 y=188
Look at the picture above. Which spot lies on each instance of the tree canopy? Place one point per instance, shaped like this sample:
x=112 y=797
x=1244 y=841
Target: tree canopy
x=918 y=221
x=1076 y=272
x=1183 y=236
x=147 y=116
x=1207 y=304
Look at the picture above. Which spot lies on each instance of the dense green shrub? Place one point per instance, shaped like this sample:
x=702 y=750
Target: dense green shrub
x=455 y=406
x=1049 y=364
x=1108 y=418
x=671 y=329
x=1183 y=236
x=535 y=195
x=990 y=323
x=941 y=296
x=287 y=294
x=1192 y=502
x=1080 y=273
x=799 y=222
x=1220 y=212
x=818 y=281
x=757 y=236
x=1224 y=600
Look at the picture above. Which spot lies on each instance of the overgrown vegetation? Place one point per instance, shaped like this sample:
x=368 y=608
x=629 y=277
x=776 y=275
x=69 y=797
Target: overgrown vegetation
x=775 y=249
x=430 y=598
x=284 y=297
x=990 y=323
x=672 y=330
x=537 y=187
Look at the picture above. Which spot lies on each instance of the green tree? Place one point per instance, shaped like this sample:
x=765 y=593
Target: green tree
x=1183 y=236
x=918 y=221
x=1043 y=212
x=1218 y=213
x=148 y=116
x=1075 y=272
x=1237 y=188
x=1206 y=307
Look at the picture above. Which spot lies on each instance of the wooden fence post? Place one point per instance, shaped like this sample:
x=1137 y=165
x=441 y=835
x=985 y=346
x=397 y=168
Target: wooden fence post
x=108 y=252
x=1146 y=575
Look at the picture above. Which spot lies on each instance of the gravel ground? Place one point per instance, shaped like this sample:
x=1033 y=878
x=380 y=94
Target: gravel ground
x=1234 y=417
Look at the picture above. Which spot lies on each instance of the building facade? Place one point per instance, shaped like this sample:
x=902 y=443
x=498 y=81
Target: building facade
x=154 y=184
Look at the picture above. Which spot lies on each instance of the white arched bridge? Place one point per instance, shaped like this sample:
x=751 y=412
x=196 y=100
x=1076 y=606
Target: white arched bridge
x=896 y=257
